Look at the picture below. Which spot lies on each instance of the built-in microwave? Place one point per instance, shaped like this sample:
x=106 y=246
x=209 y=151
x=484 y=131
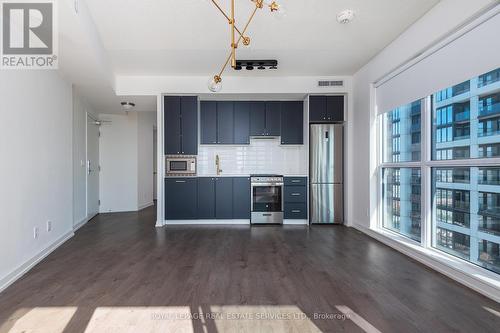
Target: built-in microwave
x=180 y=165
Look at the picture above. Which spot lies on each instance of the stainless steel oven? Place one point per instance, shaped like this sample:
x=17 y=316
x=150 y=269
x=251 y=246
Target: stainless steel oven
x=180 y=165
x=267 y=199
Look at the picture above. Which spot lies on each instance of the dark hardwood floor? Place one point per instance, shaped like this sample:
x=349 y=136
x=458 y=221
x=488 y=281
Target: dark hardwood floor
x=120 y=274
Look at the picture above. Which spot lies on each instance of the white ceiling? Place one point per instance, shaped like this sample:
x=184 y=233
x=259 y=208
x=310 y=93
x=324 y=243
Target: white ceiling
x=103 y=39
x=190 y=37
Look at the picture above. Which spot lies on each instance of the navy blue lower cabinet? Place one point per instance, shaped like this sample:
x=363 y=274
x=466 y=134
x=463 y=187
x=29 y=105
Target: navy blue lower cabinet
x=296 y=181
x=181 y=198
x=295 y=211
x=241 y=198
x=223 y=198
x=206 y=198
x=295 y=194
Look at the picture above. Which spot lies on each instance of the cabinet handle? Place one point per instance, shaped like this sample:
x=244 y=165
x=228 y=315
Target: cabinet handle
x=295 y=194
x=296 y=181
x=180 y=181
x=295 y=211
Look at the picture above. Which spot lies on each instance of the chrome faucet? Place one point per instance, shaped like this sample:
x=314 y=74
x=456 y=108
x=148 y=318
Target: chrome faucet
x=217 y=164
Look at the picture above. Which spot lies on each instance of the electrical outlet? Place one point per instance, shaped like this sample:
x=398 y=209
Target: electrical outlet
x=49 y=226
x=35 y=232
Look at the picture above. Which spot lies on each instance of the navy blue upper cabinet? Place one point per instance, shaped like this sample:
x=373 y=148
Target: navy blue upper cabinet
x=189 y=125
x=273 y=118
x=292 y=123
x=326 y=108
x=265 y=118
x=181 y=125
x=181 y=198
x=225 y=122
x=208 y=122
x=206 y=198
x=172 y=119
x=224 y=198
x=317 y=108
x=257 y=118
x=241 y=198
x=335 y=108
x=242 y=122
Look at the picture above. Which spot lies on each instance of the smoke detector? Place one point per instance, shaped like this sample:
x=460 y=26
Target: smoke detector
x=345 y=16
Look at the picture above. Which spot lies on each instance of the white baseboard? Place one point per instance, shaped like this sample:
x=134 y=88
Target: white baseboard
x=83 y=221
x=146 y=205
x=24 y=268
x=465 y=273
x=207 y=222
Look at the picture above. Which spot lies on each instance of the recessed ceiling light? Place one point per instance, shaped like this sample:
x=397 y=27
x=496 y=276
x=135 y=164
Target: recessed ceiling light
x=127 y=105
x=345 y=16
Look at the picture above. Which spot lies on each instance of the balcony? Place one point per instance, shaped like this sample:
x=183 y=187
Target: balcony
x=462 y=116
x=489 y=110
x=486 y=210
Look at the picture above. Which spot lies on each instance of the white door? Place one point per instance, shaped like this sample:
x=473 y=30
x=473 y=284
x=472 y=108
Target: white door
x=92 y=167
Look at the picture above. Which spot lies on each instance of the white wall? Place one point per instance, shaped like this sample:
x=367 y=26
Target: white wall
x=126 y=159
x=80 y=109
x=145 y=158
x=443 y=18
x=35 y=169
x=118 y=160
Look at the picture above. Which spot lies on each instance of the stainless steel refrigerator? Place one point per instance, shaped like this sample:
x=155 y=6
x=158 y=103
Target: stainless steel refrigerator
x=326 y=160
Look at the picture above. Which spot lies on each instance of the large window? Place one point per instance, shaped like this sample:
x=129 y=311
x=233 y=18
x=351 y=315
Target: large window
x=401 y=137
x=401 y=201
x=461 y=166
x=402 y=129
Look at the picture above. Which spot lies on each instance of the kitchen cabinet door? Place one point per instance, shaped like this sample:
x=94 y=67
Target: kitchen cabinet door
x=241 y=196
x=296 y=194
x=257 y=118
x=317 y=108
x=273 y=118
x=292 y=123
x=225 y=122
x=206 y=198
x=295 y=211
x=172 y=124
x=335 y=108
x=208 y=122
x=181 y=198
x=189 y=125
x=224 y=198
x=242 y=123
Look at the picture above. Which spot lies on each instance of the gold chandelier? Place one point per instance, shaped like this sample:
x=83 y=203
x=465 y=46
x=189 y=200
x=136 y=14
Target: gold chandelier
x=215 y=83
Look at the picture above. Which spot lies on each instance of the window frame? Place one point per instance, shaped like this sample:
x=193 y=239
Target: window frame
x=426 y=164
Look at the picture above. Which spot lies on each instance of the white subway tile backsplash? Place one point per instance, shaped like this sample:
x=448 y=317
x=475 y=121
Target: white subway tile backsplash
x=261 y=156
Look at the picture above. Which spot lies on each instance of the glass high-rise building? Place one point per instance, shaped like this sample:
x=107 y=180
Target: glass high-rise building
x=466 y=214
